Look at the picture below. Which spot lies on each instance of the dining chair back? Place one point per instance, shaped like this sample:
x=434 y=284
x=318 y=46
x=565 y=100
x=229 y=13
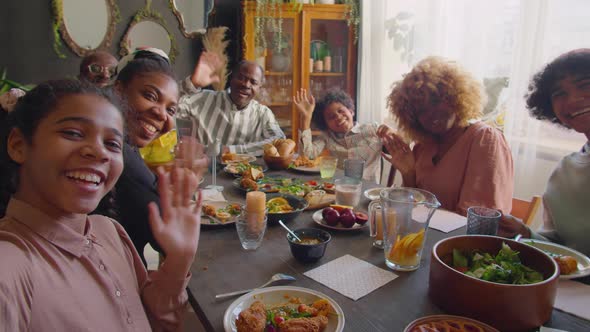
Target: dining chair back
x=525 y=210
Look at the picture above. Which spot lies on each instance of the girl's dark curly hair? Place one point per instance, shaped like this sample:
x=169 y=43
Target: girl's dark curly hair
x=26 y=116
x=332 y=96
x=538 y=99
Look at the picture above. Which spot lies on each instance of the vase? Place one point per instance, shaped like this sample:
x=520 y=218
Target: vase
x=326 y=2
x=280 y=62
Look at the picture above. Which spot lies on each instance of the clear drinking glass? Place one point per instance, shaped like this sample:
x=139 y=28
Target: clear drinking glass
x=348 y=191
x=353 y=168
x=328 y=166
x=251 y=228
x=482 y=220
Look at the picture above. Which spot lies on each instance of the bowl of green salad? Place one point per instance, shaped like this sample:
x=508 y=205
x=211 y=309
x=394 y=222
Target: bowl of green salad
x=506 y=284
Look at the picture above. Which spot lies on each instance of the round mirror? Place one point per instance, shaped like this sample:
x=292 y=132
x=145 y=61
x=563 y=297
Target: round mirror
x=192 y=15
x=86 y=25
x=148 y=34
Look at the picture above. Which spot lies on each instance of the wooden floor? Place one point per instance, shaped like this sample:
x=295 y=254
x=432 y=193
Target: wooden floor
x=191 y=321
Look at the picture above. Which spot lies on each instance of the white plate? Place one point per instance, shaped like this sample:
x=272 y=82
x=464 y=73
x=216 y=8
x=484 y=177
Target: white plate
x=373 y=193
x=303 y=169
x=212 y=221
x=318 y=219
x=240 y=158
x=583 y=260
x=276 y=296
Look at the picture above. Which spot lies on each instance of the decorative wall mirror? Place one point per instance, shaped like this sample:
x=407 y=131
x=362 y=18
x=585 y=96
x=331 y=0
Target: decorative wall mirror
x=147 y=28
x=192 y=16
x=86 y=25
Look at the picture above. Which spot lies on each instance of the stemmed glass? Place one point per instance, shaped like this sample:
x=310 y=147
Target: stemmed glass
x=213 y=151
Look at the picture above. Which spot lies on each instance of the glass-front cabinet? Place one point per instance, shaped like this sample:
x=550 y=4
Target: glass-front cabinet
x=305 y=46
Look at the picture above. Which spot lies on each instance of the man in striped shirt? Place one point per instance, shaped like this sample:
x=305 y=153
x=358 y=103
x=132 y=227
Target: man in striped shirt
x=241 y=124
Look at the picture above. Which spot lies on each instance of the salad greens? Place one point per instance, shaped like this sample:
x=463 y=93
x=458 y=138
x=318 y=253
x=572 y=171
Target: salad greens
x=504 y=268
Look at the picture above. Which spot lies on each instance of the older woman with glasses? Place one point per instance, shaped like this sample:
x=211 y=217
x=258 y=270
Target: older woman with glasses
x=98 y=68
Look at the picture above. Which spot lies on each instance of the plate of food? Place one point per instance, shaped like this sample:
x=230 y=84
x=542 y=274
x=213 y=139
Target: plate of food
x=340 y=217
x=373 y=193
x=305 y=165
x=282 y=307
x=274 y=184
x=229 y=158
x=239 y=168
x=447 y=323
x=572 y=263
x=220 y=213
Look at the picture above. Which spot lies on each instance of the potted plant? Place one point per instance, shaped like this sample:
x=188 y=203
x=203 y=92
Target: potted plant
x=281 y=53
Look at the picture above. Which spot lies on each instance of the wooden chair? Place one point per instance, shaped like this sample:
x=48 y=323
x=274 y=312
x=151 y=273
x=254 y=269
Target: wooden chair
x=525 y=210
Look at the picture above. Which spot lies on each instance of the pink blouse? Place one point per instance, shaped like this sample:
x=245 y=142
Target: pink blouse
x=53 y=278
x=476 y=171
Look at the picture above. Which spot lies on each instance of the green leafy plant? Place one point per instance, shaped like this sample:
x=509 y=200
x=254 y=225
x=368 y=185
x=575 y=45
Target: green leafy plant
x=269 y=21
x=353 y=17
x=399 y=29
x=6 y=84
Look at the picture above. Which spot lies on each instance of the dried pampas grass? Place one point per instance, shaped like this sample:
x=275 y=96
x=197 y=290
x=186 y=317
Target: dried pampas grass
x=214 y=41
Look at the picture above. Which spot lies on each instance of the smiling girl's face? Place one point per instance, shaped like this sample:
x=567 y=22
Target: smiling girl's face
x=74 y=157
x=153 y=98
x=339 y=118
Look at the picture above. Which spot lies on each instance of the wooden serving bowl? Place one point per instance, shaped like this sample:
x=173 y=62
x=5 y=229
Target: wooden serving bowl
x=278 y=163
x=505 y=307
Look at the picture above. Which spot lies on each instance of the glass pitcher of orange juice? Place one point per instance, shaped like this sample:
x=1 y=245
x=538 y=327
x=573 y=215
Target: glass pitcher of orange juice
x=405 y=214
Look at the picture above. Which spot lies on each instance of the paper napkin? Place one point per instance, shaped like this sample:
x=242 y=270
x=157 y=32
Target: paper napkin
x=573 y=297
x=212 y=195
x=350 y=276
x=447 y=221
x=548 y=329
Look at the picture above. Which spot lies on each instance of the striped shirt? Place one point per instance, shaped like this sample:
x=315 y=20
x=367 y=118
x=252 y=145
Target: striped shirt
x=361 y=142
x=217 y=117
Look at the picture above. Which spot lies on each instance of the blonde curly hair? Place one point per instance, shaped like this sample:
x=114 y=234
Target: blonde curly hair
x=434 y=80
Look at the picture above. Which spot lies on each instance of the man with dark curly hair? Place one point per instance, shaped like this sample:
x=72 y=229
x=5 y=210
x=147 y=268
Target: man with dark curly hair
x=464 y=163
x=560 y=93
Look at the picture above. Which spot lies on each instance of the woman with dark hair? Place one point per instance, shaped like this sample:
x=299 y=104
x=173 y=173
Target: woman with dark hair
x=334 y=115
x=147 y=84
x=560 y=93
x=61 y=151
x=461 y=161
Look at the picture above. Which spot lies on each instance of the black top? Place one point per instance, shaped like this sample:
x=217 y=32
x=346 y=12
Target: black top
x=136 y=187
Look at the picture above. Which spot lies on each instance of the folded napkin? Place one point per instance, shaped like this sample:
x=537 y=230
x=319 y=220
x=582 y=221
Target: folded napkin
x=573 y=297
x=445 y=221
x=212 y=195
x=350 y=276
x=548 y=329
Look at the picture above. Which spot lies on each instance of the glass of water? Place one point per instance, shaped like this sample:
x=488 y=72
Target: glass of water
x=251 y=228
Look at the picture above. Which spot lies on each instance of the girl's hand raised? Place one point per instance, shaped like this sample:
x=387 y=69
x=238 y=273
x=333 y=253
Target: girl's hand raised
x=177 y=228
x=305 y=104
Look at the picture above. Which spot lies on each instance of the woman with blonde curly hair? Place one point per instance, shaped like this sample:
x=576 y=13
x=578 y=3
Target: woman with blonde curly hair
x=463 y=162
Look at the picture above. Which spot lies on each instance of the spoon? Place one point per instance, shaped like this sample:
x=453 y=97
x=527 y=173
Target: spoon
x=517 y=237
x=274 y=278
x=290 y=231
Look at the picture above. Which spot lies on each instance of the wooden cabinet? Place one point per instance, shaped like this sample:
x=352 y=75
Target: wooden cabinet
x=318 y=53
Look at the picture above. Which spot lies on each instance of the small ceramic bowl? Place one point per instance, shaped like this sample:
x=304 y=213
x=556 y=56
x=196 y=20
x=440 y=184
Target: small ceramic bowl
x=309 y=253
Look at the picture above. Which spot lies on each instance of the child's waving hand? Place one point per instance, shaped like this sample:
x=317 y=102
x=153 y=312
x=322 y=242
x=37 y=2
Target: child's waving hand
x=305 y=104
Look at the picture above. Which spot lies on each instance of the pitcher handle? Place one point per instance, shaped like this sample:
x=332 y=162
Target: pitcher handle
x=374 y=207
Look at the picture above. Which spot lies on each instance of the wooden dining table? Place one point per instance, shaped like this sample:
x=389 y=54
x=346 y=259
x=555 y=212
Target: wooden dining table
x=222 y=266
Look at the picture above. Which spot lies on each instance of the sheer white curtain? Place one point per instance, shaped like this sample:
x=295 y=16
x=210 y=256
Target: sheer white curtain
x=494 y=40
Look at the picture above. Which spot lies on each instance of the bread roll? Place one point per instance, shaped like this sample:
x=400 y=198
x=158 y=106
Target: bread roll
x=270 y=150
x=286 y=148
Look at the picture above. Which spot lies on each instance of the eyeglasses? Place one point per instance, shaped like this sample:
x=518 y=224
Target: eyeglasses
x=98 y=69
